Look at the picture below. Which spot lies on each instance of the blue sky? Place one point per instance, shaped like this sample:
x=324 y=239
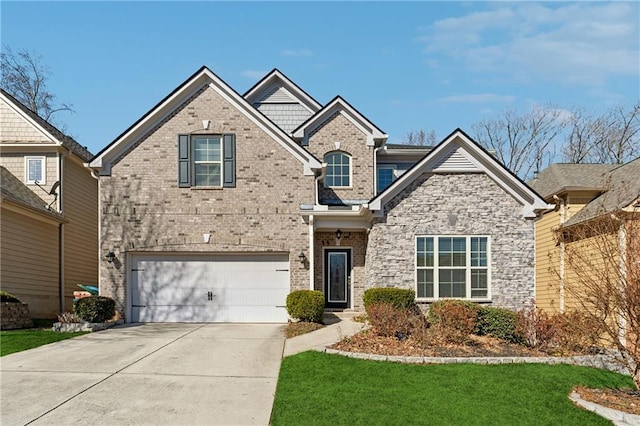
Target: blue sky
x=404 y=65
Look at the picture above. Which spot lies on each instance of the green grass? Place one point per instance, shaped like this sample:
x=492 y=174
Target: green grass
x=320 y=389
x=20 y=340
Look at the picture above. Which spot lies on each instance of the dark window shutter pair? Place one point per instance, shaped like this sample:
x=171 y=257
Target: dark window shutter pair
x=228 y=161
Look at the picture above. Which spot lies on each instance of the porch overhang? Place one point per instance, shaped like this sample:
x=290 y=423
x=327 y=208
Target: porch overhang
x=330 y=218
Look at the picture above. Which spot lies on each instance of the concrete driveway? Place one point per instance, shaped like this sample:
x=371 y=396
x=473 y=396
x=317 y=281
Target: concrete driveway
x=179 y=374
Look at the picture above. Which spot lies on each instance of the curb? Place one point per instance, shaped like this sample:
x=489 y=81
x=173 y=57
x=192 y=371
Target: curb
x=619 y=418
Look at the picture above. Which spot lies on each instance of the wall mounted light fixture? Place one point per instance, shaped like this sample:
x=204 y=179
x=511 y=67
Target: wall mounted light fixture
x=110 y=256
x=339 y=234
x=302 y=257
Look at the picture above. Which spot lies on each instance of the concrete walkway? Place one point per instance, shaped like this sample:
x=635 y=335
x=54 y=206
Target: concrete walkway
x=183 y=374
x=339 y=326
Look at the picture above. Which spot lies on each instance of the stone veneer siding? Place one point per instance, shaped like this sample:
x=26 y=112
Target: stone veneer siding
x=481 y=207
x=353 y=142
x=142 y=209
x=357 y=242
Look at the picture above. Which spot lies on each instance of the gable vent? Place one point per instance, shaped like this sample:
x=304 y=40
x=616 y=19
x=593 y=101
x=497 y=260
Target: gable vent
x=277 y=95
x=455 y=161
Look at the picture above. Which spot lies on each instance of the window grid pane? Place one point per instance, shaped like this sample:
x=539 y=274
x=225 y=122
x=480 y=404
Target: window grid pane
x=338 y=170
x=207 y=160
x=385 y=178
x=443 y=268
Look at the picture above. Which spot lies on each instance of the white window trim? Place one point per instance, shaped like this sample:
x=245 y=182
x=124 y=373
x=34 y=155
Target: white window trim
x=220 y=162
x=350 y=186
x=468 y=268
x=43 y=160
x=393 y=168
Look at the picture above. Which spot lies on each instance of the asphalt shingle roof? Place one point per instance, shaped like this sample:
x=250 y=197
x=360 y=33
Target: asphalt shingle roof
x=12 y=189
x=67 y=141
x=560 y=177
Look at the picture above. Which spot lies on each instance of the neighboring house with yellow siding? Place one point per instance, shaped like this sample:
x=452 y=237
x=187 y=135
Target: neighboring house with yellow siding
x=591 y=200
x=49 y=212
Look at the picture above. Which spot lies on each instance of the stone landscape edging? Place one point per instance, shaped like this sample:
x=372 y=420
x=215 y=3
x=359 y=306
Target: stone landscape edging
x=605 y=362
x=61 y=327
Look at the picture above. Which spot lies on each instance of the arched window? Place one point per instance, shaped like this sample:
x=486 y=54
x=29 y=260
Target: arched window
x=338 y=170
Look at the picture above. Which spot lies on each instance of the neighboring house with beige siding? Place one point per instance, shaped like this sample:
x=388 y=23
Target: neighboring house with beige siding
x=215 y=205
x=49 y=219
x=589 y=199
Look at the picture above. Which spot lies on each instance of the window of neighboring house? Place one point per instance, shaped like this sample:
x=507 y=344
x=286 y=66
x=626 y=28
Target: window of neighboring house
x=338 y=173
x=206 y=161
x=386 y=176
x=35 y=168
x=207 y=155
x=452 y=267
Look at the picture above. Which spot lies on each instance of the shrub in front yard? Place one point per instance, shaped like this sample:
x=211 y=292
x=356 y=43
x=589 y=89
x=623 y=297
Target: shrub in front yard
x=95 y=308
x=388 y=321
x=500 y=323
x=453 y=320
x=8 y=298
x=398 y=297
x=306 y=305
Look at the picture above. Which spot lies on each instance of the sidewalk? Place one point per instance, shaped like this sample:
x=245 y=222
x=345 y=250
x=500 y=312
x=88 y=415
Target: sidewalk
x=339 y=326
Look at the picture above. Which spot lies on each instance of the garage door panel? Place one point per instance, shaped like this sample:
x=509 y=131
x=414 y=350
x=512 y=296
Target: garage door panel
x=196 y=288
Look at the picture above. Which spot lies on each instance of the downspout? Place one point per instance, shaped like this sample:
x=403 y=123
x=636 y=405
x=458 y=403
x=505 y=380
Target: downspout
x=61 y=233
x=60 y=269
x=97 y=177
x=375 y=169
x=561 y=265
x=311 y=252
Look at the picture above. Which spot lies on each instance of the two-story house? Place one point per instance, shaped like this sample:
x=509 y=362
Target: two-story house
x=49 y=212
x=215 y=205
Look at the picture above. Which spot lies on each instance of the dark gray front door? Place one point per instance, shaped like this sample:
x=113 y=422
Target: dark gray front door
x=337 y=272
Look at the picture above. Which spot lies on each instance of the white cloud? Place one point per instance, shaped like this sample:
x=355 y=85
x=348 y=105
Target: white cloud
x=477 y=98
x=254 y=74
x=300 y=53
x=577 y=43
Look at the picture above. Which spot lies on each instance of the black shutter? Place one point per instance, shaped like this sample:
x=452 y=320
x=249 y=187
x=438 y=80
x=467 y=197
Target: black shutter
x=184 y=161
x=229 y=161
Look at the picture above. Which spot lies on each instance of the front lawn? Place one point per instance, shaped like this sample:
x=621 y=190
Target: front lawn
x=316 y=389
x=20 y=340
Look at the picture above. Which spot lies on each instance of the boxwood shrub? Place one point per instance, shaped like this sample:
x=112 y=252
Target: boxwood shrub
x=306 y=305
x=8 y=298
x=95 y=308
x=498 y=322
x=399 y=298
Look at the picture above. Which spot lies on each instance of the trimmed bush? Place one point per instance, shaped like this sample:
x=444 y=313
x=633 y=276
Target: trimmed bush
x=95 y=308
x=399 y=298
x=453 y=320
x=306 y=305
x=499 y=323
x=8 y=298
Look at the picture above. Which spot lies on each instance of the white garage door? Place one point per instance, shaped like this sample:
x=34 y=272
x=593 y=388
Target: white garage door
x=201 y=288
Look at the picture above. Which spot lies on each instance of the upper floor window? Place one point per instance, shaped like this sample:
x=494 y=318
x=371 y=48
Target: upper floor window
x=35 y=168
x=338 y=170
x=206 y=161
x=386 y=176
x=207 y=158
x=452 y=267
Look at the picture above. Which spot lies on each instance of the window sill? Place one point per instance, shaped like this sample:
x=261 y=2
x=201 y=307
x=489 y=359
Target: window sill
x=338 y=187
x=206 y=188
x=423 y=300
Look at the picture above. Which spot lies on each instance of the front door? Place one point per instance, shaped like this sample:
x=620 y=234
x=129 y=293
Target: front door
x=337 y=274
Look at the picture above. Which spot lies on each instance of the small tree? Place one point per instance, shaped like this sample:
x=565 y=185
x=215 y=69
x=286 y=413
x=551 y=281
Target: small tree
x=602 y=257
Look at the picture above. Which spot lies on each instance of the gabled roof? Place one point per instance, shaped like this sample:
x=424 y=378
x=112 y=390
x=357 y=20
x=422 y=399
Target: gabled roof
x=562 y=177
x=275 y=80
x=46 y=128
x=621 y=191
x=203 y=77
x=339 y=105
x=16 y=192
x=459 y=153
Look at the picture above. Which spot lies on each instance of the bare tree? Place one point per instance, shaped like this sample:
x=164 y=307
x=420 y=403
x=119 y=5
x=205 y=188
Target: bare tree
x=421 y=138
x=612 y=137
x=524 y=143
x=25 y=77
x=602 y=261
